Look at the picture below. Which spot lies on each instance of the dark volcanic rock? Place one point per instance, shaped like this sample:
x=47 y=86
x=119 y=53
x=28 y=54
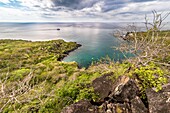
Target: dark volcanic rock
x=77 y=46
x=120 y=108
x=103 y=86
x=159 y=102
x=124 y=89
x=120 y=96
x=82 y=106
x=114 y=108
x=67 y=52
x=137 y=106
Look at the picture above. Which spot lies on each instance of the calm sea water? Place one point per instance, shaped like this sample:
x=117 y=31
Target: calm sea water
x=96 y=38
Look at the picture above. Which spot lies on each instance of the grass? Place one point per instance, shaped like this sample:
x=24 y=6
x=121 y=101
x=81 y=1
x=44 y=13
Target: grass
x=35 y=80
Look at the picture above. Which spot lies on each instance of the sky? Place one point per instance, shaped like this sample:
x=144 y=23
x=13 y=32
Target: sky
x=80 y=10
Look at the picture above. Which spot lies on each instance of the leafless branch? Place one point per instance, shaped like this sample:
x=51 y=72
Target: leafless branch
x=148 y=46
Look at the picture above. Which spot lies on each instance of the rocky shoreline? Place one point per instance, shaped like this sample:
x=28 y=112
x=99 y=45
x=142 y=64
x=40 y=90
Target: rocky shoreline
x=67 y=52
x=78 y=45
x=122 y=96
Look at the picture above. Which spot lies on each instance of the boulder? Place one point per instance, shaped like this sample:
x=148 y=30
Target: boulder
x=103 y=86
x=82 y=106
x=121 y=108
x=120 y=96
x=137 y=106
x=114 y=108
x=124 y=89
x=159 y=102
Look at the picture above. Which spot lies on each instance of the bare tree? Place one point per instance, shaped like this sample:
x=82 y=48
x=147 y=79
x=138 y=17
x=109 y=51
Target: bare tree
x=10 y=94
x=149 y=46
x=22 y=91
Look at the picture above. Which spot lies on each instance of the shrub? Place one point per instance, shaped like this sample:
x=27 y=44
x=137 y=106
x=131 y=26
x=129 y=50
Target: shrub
x=19 y=74
x=150 y=76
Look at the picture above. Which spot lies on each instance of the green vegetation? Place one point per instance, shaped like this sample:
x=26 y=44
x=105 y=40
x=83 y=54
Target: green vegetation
x=151 y=76
x=151 y=64
x=33 y=79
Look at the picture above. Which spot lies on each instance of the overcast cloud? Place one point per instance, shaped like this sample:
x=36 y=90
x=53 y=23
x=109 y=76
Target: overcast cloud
x=80 y=10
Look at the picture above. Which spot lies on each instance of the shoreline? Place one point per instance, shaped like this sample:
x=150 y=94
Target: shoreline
x=69 y=51
x=61 y=56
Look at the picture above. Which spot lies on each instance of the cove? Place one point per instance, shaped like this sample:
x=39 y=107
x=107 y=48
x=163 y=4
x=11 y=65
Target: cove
x=96 y=39
x=96 y=44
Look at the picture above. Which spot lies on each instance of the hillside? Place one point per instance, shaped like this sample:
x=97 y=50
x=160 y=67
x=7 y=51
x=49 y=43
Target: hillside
x=31 y=73
x=34 y=79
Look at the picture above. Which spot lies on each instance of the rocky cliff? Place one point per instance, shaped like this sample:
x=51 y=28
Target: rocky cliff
x=122 y=96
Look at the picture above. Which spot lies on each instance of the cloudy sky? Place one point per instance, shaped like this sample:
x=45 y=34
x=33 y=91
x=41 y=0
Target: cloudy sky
x=79 y=10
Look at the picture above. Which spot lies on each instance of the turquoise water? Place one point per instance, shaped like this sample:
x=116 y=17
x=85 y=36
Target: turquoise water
x=96 y=44
x=96 y=38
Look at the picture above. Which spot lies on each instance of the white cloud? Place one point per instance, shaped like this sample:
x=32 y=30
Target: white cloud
x=95 y=8
x=46 y=10
x=136 y=11
x=37 y=3
x=10 y=14
x=5 y=1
